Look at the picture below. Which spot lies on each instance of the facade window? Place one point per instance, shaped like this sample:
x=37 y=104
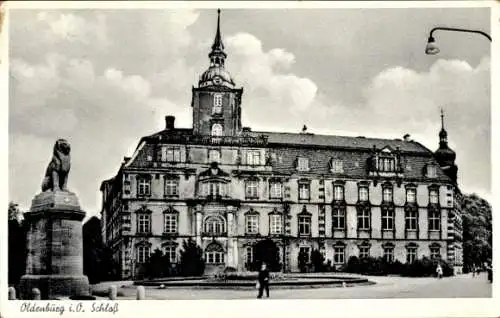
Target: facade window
x=338 y=192
x=142 y=254
x=302 y=164
x=387 y=219
x=171 y=187
x=387 y=164
x=143 y=186
x=411 y=195
x=214 y=254
x=217 y=104
x=171 y=154
x=275 y=224
x=304 y=191
x=170 y=253
x=363 y=219
x=411 y=220
x=435 y=252
x=411 y=254
x=143 y=223
x=433 y=196
x=431 y=171
x=336 y=166
x=215 y=225
x=389 y=254
x=214 y=155
x=252 y=224
x=304 y=225
x=338 y=255
x=306 y=250
x=252 y=189
x=434 y=220
x=214 y=189
x=249 y=255
x=387 y=194
x=170 y=223
x=364 y=251
x=217 y=130
x=275 y=190
x=363 y=193
x=253 y=157
x=338 y=218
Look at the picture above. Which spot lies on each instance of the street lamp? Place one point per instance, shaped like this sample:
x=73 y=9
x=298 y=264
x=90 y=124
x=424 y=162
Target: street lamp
x=432 y=49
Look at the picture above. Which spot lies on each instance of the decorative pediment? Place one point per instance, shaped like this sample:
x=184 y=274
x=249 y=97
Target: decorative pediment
x=364 y=243
x=214 y=171
x=143 y=242
x=251 y=211
x=411 y=245
x=169 y=243
x=170 y=210
x=275 y=211
x=386 y=150
x=339 y=244
x=304 y=211
x=144 y=209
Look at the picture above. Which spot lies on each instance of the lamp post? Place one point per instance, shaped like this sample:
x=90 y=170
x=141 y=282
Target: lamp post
x=431 y=48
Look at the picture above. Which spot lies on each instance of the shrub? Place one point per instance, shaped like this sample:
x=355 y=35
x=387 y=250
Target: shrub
x=191 y=261
x=158 y=265
x=318 y=261
x=426 y=267
x=302 y=261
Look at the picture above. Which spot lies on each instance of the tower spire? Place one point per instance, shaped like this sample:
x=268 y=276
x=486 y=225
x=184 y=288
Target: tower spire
x=217 y=55
x=443 y=135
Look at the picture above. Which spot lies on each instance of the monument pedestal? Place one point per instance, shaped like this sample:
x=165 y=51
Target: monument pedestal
x=55 y=247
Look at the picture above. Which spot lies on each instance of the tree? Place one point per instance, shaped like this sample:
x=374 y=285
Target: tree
x=17 y=231
x=477 y=231
x=303 y=260
x=267 y=252
x=318 y=261
x=191 y=259
x=158 y=265
x=98 y=263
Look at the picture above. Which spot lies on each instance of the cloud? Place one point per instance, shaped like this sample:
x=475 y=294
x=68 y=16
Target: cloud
x=77 y=74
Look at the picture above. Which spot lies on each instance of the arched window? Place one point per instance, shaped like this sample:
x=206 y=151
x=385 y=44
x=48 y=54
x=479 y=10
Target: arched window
x=214 y=254
x=215 y=225
x=217 y=130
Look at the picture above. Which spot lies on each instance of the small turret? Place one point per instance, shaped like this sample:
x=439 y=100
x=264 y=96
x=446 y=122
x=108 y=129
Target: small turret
x=444 y=155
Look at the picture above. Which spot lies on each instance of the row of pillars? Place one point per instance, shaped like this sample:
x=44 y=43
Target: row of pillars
x=112 y=293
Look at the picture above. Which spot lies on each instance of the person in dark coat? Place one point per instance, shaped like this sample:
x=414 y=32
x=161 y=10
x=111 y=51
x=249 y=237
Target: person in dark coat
x=263 y=281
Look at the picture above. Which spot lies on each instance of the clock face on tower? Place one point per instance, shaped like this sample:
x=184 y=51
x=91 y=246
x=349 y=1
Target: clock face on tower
x=217 y=80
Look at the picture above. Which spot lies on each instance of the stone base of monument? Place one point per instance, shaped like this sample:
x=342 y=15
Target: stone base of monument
x=55 y=286
x=54 y=263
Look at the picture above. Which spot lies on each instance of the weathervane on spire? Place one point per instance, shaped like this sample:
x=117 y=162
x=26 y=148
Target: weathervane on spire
x=217 y=55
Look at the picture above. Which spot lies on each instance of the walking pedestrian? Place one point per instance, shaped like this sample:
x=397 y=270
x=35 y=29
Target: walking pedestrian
x=263 y=282
x=474 y=270
x=439 y=271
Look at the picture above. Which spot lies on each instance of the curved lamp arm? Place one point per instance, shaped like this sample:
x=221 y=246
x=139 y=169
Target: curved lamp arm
x=460 y=30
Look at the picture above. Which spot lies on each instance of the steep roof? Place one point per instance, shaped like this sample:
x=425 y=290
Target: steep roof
x=340 y=141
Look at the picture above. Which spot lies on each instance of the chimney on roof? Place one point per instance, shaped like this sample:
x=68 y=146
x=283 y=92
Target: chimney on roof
x=406 y=137
x=304 y=129
x=169 y=122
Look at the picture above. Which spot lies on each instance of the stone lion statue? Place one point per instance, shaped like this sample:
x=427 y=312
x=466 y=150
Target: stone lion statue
x=56 y=176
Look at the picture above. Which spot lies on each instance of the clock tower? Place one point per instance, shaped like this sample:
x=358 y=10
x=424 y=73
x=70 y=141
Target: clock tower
x=216 y=101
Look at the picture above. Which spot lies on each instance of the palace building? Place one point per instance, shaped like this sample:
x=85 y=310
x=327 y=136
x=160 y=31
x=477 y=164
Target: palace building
x=229 y=188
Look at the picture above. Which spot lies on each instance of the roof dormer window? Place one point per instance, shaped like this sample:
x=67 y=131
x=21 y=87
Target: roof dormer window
x=431 y=171
x=302 y=164
x=336 y=166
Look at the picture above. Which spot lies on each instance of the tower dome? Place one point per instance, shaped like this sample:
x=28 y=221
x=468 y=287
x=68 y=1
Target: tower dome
x=216 y=74
x=444 y=154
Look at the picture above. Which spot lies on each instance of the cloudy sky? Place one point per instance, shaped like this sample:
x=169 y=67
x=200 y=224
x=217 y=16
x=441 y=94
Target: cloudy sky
x=104 y=78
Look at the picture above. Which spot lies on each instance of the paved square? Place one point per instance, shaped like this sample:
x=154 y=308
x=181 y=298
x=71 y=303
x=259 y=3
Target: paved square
x=462 y=286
